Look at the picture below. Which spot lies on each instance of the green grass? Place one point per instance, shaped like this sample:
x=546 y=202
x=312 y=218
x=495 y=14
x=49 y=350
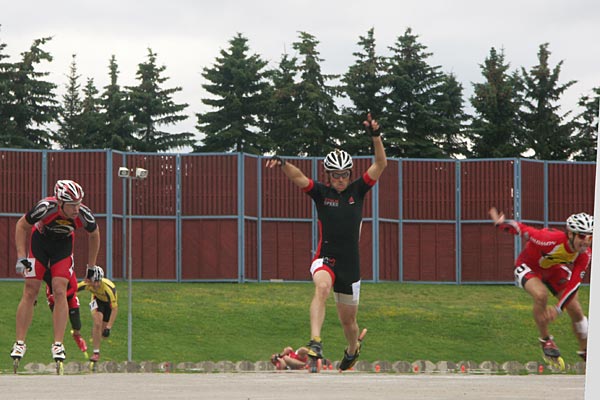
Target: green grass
x=224 y=321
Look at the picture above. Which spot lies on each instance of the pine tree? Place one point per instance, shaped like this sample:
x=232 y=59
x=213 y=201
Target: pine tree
x=33 y=101
x=282 y=113
x=451 y=118
x=92 y=118
x=363 y=84
x=8 y=136
x=153 y=107
x=320 y=130
x=70 y=134
x=413 y=87
x=495 y=130
x=546 y=133
x=240 y=90
x=586 y=123
x=119 y=128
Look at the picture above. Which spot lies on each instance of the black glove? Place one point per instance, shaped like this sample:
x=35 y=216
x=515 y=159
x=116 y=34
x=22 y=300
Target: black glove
x=368 y=125
x=22 y=266
x=106 y=332
x=279 y=159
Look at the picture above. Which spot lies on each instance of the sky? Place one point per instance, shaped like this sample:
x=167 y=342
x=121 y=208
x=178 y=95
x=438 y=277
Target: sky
x=187 y=36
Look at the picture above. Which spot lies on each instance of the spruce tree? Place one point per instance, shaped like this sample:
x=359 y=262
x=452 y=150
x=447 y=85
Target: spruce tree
x=8 y=136
x=413 y=86
x=451 y=118
x=92 y=118
x=282 y=113
x=153 y=108
x=70 y=134
x=363 y=84
x=495 y=129
x=586 y=127
x=240 y=94
x=33 y=104
x=119 y=128
x=547 y=133
x=320 y=128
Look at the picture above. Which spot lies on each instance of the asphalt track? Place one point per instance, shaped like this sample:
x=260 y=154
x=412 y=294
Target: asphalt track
x=297 y=385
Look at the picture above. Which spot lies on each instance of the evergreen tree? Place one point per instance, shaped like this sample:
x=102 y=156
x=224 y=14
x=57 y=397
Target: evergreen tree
x=451 y=118
x=586 y=137
x=320 y=129
x=153 y=107
x=413 y=86
x=283 y=120
x=363 y=84
x=240 y=90
x=33 y=102
x=8 y=137
x=70 y=134
x=119 y=128
x=495 y=130
x=92 y=118
x=546 y=133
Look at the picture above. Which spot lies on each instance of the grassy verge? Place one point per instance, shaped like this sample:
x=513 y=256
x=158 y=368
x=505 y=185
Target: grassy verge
x=213 y=321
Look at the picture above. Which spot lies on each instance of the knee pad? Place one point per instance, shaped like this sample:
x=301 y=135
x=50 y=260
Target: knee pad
x=581 y=327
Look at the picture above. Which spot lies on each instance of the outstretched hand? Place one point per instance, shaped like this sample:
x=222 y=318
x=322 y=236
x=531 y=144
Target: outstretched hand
x=371 y=126
x=275 y=161
x=497 y=217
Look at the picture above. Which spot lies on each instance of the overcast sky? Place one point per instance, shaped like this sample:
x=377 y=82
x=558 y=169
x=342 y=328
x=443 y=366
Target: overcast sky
x=187 y=35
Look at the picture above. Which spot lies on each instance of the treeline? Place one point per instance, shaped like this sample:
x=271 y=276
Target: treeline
x=293 y=108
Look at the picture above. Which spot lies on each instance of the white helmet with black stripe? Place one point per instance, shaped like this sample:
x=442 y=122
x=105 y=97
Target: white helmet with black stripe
x=581 y=223
x=338 y=160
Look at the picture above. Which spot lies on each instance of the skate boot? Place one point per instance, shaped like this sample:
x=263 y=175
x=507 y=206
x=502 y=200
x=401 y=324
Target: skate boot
x=59 y=355
x=552 y=353
x=94 y=360
x=275 y=360
x=80 y=342
x=315 y=355
x=18 y=351
x=349 y=360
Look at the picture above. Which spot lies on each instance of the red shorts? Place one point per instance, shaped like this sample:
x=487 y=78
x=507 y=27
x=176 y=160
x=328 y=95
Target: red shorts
x=555 y=278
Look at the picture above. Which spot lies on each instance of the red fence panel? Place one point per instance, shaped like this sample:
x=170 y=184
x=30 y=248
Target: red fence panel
x=86 y=168
x=286 y=250
x=485 y=184
x=532 y=190
x=20 y=180
x=209 y=249
x=570 y=189
x=281 y=198
x=429 y=252
x=209 y=184
x=428 y=190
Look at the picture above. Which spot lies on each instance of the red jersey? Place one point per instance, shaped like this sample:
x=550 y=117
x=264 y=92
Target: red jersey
x=549 y=248
x=46 y=219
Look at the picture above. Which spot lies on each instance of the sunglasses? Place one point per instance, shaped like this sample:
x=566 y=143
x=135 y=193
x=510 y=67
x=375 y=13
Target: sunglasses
x=583 y=236
x=339 y=175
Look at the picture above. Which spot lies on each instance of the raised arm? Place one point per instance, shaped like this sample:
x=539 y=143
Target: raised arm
x=291 y=171
x=372 y=128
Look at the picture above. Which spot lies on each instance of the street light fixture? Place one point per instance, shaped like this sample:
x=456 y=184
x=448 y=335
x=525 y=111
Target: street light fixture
x=126 y=173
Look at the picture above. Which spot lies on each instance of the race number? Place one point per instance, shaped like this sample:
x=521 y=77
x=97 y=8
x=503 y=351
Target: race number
x=520 y=273
x=93 y=305
x=31 y=272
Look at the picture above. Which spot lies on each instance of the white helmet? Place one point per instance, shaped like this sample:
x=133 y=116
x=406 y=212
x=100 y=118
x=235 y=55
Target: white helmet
x=68 y=191
x=581 y=223
x=94 y=273
x=338 y=160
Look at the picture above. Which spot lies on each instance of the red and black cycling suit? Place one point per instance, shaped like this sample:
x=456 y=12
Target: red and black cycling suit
x=340 y=220
x=550 y=257
x=52 y=237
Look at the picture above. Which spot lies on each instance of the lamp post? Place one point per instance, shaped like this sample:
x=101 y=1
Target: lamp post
x=125 y=173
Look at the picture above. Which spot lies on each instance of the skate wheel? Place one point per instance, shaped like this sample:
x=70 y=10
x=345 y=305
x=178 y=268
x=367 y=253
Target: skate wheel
x=15 y=365
x=362 y=335
x=92 y=366
x=60 y=368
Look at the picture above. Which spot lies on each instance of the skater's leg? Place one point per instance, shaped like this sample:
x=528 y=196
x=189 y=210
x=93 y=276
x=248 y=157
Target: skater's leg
x=578 y=321
x=347 y=315
x=25 y=307
x=323 y=283
x=539 y=293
